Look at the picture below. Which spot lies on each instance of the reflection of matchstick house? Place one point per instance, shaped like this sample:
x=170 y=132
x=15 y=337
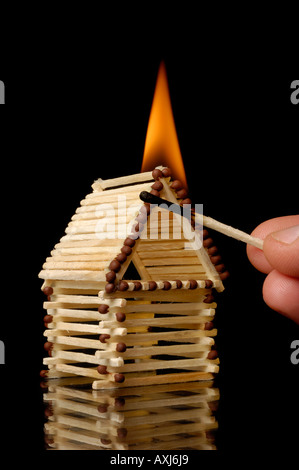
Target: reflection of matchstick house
x=169 y=416
x=137 y=310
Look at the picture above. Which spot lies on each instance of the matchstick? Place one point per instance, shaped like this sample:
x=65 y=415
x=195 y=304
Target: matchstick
x=204 y=220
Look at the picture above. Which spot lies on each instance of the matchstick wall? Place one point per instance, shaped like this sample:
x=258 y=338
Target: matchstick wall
x=156 y=328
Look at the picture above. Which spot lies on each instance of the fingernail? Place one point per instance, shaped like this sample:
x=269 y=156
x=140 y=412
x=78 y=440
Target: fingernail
x=288 y=235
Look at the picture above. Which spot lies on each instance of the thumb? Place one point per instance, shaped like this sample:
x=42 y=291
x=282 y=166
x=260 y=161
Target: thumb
x=281 y=286
x=281 y=249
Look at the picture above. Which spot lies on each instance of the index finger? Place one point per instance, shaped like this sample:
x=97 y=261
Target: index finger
x=256 y=256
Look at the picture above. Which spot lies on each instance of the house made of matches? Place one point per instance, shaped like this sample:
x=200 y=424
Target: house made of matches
x=130 y=289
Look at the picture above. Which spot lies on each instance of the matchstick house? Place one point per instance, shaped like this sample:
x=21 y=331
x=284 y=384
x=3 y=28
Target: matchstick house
x=132 y=306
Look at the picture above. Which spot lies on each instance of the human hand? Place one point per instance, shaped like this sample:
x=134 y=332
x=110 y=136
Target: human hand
x=280 y=260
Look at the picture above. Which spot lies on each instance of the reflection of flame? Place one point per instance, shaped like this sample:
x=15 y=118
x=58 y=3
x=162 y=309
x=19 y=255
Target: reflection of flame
x=161 y=143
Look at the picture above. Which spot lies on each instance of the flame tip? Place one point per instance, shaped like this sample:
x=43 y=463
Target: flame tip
x=161 y=143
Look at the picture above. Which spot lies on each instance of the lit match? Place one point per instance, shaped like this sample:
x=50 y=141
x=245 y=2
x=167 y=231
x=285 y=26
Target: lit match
x=202 y=219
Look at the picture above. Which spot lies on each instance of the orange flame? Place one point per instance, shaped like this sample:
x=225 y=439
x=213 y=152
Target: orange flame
x=161 y=143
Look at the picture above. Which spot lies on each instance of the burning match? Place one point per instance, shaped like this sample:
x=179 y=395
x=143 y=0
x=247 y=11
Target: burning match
x=202 y=219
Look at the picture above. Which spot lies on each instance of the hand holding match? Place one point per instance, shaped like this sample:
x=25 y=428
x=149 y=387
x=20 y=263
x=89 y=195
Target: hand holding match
x=202 y=219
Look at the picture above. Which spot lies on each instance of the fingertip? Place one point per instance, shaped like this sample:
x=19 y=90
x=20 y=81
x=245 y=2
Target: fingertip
x=282 y=256
x=281 y=293
x=258 y=259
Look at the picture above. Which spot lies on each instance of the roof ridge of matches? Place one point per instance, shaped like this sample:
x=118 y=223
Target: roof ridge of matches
x=159 y=174
x=82 y=256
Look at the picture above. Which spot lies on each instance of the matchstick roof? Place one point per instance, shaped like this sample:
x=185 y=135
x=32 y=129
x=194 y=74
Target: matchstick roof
x=97 y=247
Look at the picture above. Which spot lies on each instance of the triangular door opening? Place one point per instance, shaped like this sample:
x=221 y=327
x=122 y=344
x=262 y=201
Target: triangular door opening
x=131 y=273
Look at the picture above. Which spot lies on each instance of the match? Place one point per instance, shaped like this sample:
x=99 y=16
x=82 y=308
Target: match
x=202 y=219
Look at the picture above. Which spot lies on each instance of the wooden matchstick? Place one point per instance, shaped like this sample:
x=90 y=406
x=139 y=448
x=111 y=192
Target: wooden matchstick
x=203 y=220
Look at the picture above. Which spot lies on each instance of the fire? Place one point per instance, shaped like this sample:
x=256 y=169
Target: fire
x=161 y=143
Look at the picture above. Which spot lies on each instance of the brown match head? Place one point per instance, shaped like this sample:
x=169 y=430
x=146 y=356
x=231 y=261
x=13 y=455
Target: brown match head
x=103 y=308
x=121 y=258
x=102 y=370
x=127 y=250
x=48 y=319
x=176 y=185
x=209 y=299
x=209 y=325
x=43 y=373
x=110 y=276
x=48 y=412
x=106 y=441
x=48 y=290
x=122 y=433
x=215 y=259
x=186 y=201
x=220 y=268
x=119 y=378
x=208 y=284
x=48 y=346
x=129 y=242
x=213 y=250
x=137 y=285
x=156 y=174
x=182 y=193
x=154 y=192
x=193 y=284
x=102 y=408
x=208 y=242
x=158 y=186
x=224 y=276
x=121 y=317
x=213 y=405
x=119 y=402
x=103 y=338
x=123 y=286
x=114 y=265
x=166 y=172
x=121 y=347
x=167 y=285
x=152 y=285
x=213 y=354
x=109 y=288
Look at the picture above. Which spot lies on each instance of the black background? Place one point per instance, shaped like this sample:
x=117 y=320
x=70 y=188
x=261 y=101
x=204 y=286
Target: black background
x=77 y=110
